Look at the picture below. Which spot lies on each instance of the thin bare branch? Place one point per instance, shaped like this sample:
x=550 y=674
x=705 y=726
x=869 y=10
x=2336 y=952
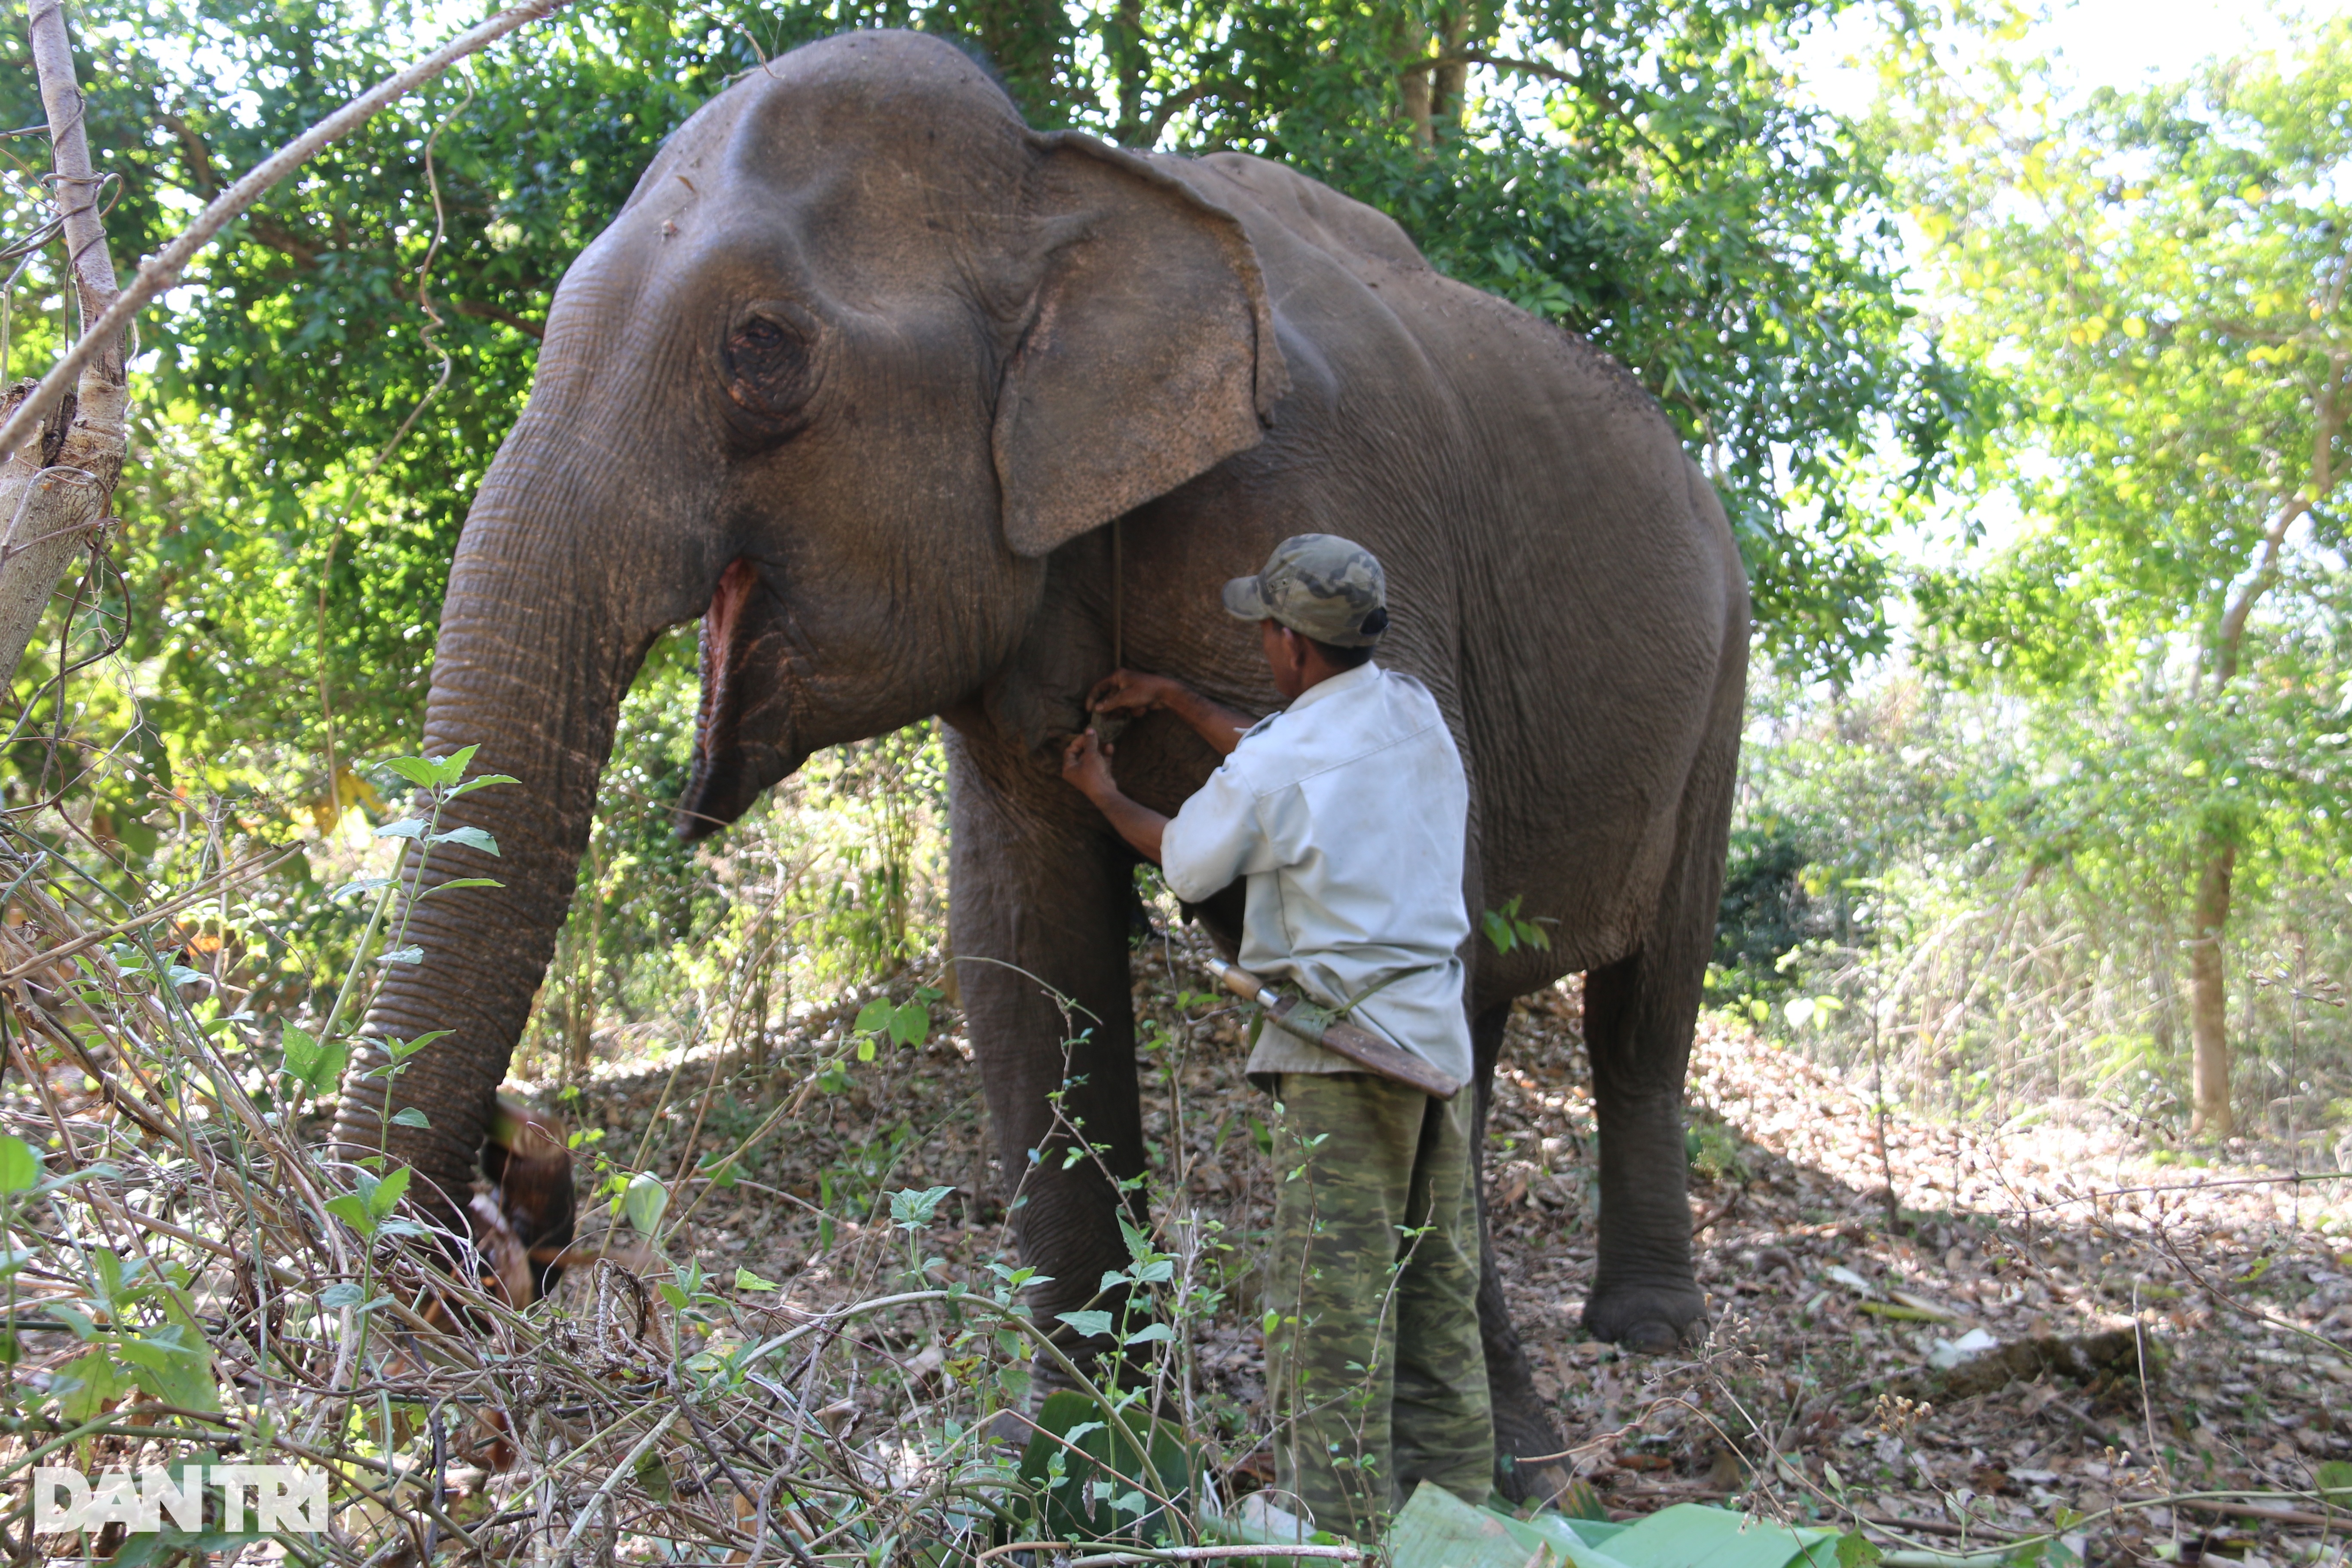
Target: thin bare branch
x=161 y=270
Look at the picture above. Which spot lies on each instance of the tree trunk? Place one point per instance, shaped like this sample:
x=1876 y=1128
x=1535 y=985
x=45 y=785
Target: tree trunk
x=1028 y=42
x=54 y=494
x=1133 y=66
x=1408 y=47
x=2209 y=997
x=1449 y=82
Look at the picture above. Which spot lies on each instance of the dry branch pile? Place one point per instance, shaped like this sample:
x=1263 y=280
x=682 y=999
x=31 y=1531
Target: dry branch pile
x=193 y=1276
x=805 y=1363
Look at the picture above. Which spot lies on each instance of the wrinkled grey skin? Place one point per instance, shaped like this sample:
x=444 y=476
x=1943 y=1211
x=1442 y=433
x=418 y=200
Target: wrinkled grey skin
x=860 y=374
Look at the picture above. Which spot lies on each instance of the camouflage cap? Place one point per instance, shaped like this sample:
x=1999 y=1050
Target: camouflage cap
x=1320 y=585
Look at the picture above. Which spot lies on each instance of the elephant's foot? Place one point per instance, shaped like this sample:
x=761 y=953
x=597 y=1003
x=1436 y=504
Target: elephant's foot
x=1525 y=1441
x=1522 y=1427
x=1649 y=1319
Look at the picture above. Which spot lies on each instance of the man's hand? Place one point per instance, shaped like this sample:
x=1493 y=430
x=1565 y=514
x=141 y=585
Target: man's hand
x=1086 y=762
x=1131 y=692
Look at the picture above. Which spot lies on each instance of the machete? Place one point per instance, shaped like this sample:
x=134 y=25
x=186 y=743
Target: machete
x=1319 y=1025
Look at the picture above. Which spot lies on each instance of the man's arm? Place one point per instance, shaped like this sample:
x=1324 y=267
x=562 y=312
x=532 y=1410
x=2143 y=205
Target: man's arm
x=1086 y=762
x=1132 y=692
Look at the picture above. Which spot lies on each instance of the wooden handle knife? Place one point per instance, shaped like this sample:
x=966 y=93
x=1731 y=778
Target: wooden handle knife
x=1338 y=1037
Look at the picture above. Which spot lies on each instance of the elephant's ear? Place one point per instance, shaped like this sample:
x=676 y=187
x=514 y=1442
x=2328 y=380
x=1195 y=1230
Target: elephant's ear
x=1149 y=355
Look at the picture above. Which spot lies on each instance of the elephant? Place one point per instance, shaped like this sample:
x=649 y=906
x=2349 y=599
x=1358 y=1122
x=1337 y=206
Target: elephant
x=927 y=413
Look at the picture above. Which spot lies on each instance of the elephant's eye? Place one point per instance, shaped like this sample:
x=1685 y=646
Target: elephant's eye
x=768 y=361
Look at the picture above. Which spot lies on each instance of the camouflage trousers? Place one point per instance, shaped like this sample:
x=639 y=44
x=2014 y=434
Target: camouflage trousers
x=1374 y=1368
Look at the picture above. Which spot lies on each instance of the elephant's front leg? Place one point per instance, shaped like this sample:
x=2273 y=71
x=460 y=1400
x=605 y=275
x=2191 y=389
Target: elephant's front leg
x=1038 y=922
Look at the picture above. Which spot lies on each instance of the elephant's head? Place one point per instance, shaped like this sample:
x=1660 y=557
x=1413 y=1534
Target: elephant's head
x=860 y=351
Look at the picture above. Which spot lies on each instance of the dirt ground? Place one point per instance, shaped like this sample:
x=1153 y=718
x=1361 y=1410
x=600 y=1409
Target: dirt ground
x=2066 y=1252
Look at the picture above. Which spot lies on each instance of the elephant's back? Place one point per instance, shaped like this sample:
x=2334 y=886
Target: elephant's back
x=1269 y=195
x=1567 y=586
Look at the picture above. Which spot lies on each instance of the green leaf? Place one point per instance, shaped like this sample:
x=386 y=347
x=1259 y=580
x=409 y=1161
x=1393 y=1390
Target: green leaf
x=1499 y=931
x=405 y=828
x=316 y=1066
x=412 y=954
x=359 y=885
x=1089 y=1324
x=89 y=1383
x=174 y=1364
x=912 y=1210
x=20 y=1166
x=472 y=837
x=415 y=770
x=2334 y=1479
x=116 y=1281
x=456 y=882
x=866 y=1049
x=353 y=1210
x=1717 y=1537
x=411 y=1116
x=448 y=769
x=401 y=1050
x=1854 y=1552
x=876 y=1017
x=385 y=1197
x=644 y=1200
x=911 y=1023
x=83 y=1326
x=482 y=781
x=105 y=1171
x=1151 y=1335
x=747 y=1280
x=653 y=1475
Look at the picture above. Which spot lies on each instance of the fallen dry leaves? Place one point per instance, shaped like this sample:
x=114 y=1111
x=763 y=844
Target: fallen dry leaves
x=1818 y=1393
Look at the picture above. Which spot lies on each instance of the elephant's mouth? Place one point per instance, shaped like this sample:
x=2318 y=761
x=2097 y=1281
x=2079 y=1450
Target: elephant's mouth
x=726 y=782
x=744 y=736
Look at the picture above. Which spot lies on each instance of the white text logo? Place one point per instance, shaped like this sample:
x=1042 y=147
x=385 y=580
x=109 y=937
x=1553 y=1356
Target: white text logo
x=282 y=1498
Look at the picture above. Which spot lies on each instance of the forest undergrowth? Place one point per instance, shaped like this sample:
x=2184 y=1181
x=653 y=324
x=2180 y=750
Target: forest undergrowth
x=796 y=1333
x=1822 y=1393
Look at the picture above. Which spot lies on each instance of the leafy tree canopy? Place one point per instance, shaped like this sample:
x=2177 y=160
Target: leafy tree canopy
x=1642 y=172
x=2160 y=280
x=2157 y=281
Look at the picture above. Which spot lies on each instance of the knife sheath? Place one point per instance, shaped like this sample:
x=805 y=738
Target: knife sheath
x=1320 y=1027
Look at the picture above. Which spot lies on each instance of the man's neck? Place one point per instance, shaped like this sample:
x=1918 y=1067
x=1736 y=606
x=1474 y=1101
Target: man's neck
x=1328 y=679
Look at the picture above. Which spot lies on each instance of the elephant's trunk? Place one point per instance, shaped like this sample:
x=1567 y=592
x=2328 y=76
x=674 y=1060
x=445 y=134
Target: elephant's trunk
x=552 y=602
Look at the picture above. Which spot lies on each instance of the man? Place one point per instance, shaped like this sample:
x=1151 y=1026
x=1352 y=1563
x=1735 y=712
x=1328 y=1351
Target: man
x=1346 y=813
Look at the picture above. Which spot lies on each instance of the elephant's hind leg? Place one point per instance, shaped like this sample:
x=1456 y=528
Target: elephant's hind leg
x=1644 y=1293
x=1639 y=1013
x=1522 y=1428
